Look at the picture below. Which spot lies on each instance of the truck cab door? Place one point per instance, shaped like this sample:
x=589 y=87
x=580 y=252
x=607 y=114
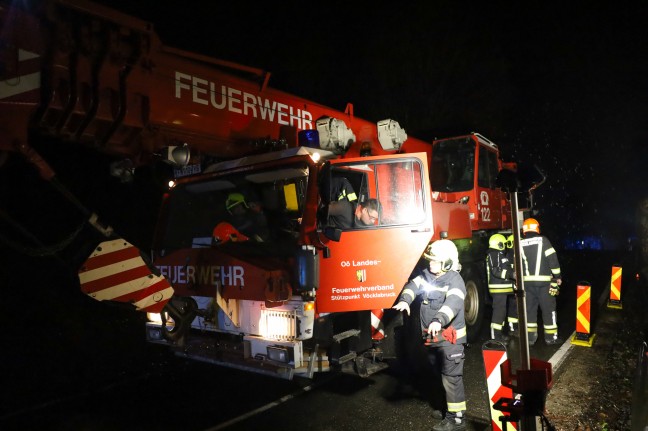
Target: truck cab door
x=490 y=199
x=368 y=265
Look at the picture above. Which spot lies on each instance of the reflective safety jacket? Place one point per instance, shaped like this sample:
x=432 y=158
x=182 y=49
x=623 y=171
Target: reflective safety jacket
x=442 y=299
x=539 y=260
x=500 y=272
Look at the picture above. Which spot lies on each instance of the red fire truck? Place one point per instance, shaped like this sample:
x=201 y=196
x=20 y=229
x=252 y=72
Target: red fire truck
x=308 y=297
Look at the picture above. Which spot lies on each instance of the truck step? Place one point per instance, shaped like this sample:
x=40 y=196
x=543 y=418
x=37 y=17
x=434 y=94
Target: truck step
x=365 y=367
x=346 y=358
x=346 y=334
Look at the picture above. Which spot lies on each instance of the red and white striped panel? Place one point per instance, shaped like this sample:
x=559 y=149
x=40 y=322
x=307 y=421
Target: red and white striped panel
x=492 y=361
x=377 y=327
x=115 y=271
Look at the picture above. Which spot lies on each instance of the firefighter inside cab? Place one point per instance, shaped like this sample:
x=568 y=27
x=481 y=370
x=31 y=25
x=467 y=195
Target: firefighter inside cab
x=245 y=221
x=440 y=292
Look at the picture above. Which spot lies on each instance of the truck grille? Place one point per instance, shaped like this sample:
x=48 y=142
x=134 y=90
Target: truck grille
x=279 y=325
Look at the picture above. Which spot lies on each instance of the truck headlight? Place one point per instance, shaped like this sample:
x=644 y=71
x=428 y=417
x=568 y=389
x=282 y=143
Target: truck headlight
x=154 y=318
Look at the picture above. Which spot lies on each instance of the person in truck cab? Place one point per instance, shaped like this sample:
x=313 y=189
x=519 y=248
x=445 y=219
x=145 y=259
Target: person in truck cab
x=438 y=292
x=344 y=214
x=247 y=218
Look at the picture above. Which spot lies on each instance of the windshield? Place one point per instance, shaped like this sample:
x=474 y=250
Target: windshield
x=260 y=205
x=453 y=165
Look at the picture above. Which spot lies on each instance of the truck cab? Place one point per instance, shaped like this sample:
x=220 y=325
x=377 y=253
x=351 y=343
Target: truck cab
x=300 y=290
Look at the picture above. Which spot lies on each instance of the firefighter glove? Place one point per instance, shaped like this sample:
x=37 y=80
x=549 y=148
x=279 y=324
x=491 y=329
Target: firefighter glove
x=402 y=306
x=434 y=328
x=450 y=334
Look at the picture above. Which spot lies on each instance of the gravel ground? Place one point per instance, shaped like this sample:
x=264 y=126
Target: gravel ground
x=594 y=391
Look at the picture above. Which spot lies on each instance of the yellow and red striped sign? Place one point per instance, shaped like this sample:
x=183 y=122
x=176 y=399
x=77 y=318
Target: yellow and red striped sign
x=582 y=336
x=615 y=287
x=115 y=271
x=583 y=295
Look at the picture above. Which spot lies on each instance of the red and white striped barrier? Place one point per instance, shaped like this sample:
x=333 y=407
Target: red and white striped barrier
x=115 y=271
x=377 y=327
x=494 y=354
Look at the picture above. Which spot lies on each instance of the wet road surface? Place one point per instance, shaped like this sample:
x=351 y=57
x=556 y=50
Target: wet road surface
x=72 y=363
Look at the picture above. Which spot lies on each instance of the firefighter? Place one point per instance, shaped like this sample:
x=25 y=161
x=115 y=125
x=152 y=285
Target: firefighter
x=345 y=215
x=511 y=302
x=440 y=293
x=542 y=280
x=247 y=217
x=500 y=286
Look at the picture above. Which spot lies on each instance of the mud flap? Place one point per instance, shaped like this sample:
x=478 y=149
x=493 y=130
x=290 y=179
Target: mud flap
x=494 y=354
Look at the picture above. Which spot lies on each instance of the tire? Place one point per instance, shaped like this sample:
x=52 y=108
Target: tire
x=475 y=302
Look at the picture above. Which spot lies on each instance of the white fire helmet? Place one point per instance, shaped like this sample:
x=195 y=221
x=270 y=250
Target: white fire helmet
x=444 y=251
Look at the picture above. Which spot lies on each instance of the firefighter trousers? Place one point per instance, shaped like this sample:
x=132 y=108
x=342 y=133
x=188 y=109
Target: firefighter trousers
x=503 y=304
x=512 y=318
x=448 y=361
x=538 y=296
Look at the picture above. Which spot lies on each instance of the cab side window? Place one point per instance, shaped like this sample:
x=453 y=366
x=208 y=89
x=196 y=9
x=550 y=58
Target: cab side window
x=396 y=185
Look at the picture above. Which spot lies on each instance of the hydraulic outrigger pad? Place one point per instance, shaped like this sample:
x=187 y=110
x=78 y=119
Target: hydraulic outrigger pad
x=116 y=271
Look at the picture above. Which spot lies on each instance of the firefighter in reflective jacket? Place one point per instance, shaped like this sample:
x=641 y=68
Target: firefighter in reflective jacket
x=440 y=291
x=500 y=274
x=542 y=280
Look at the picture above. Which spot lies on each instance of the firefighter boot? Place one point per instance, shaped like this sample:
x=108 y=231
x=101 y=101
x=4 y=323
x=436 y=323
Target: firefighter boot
x=450 y=424
x=513 y=327
x=498 y=335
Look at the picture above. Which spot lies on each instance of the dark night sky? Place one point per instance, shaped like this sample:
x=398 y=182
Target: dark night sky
x=563 y=87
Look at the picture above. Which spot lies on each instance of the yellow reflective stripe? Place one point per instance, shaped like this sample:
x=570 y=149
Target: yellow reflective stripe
x=537 y=278
x=408 y=292
x=496 y=290
x=456 y=407
x=447 y=311
x=456 y=292
x=500 y=285
x=538 y=258
x=524 y=261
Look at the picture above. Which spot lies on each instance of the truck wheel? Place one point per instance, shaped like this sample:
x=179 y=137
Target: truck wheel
x=474 y=304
